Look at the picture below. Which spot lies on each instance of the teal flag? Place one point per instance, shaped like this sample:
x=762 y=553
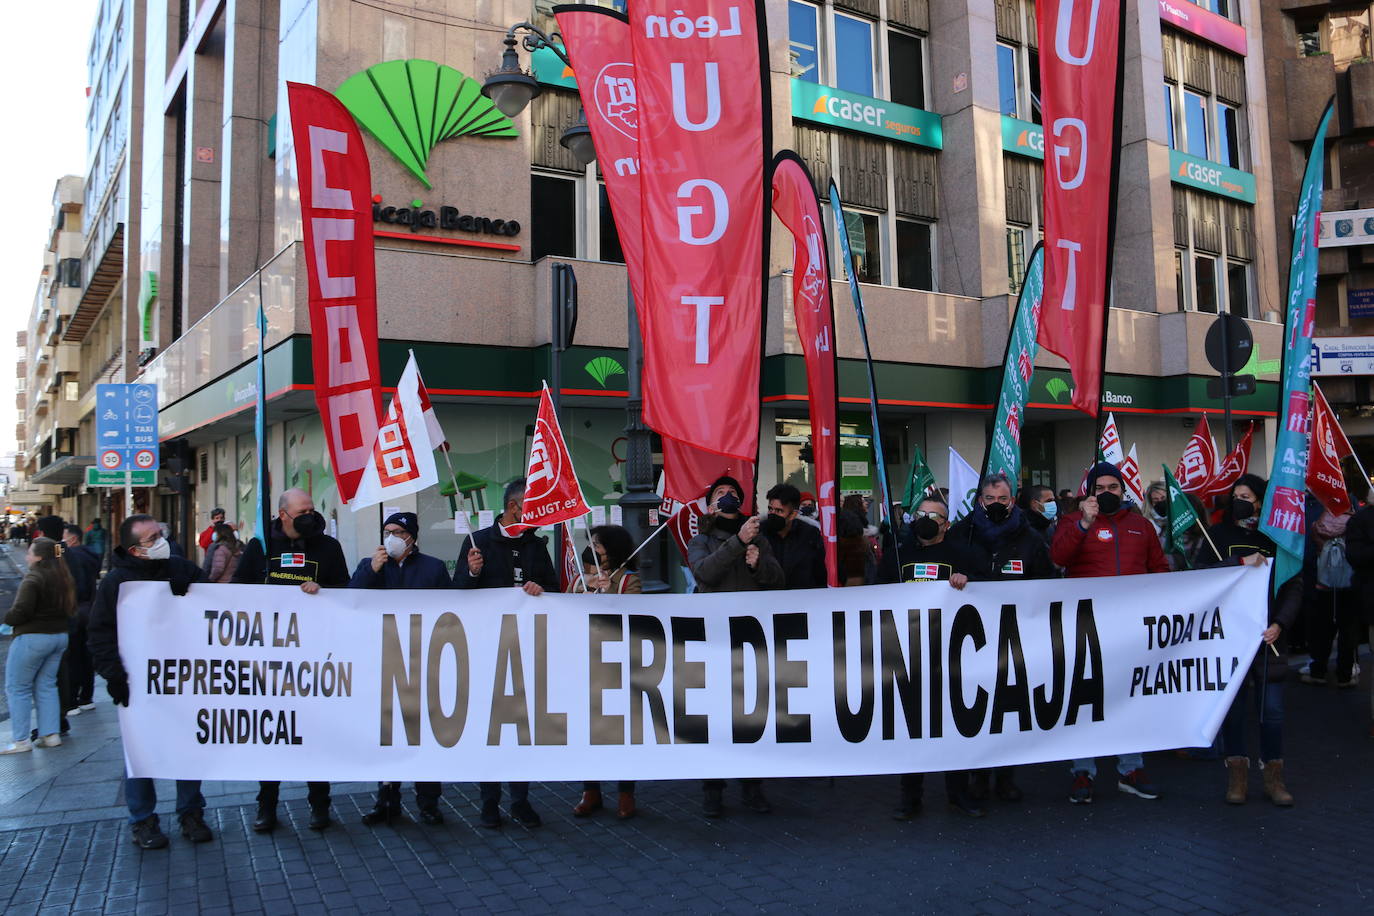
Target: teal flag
x=1004 y=453
x=1284 y=516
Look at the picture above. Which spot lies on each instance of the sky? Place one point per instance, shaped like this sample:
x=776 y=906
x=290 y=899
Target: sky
x=44 y=69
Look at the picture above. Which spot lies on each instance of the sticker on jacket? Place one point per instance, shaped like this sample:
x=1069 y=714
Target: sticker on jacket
x=1104 y=534
x=927 y=572
x=291 y=569
x=1013 y=568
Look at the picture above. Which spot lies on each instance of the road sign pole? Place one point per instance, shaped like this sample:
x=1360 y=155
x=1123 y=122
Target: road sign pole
x=1227 y=372
x=128 y=493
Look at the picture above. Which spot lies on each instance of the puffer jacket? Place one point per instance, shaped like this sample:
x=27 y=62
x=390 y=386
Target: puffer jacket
x=716 y=558
x=1123 y=544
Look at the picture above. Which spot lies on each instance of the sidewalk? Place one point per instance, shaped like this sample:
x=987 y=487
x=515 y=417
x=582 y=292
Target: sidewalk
x=829 y=845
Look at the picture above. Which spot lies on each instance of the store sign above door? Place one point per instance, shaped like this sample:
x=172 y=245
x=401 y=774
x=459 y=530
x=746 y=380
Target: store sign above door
x=1205 y=24
x=550 y=70
x=848 y=110
x=1023 y=138
x=1210 y=177
x=1339 y=228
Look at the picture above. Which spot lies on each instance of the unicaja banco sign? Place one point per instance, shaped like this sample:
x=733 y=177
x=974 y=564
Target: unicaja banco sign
x=410 y=106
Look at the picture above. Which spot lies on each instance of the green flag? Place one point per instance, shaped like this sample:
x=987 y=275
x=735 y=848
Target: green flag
x=922 y=480
x=1181 y=516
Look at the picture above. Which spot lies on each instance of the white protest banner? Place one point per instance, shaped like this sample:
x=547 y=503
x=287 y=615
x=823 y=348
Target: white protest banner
x=258 y=682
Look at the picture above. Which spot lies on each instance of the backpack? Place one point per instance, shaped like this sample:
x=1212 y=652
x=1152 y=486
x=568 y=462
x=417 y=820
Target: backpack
x=1333 y=569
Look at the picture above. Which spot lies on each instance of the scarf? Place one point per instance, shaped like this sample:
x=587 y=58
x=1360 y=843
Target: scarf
x=989 y=533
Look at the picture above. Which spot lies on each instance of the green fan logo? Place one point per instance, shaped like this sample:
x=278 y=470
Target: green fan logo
x=602 y=368
x=1056 y=388
x=411 y=105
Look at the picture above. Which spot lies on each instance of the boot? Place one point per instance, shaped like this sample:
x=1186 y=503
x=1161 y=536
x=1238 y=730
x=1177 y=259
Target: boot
x=711 y=804
x=1006 y=787
x=1237 y=779
x=266 y=820
x=626 y=808
x=753 y=798
x=1278 y=793
x=591 y=802
x=978 y=785
x=388 y=805
x=319 y=817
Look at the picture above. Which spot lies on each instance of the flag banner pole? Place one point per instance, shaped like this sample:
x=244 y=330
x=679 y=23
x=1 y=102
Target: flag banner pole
x=577 y=557
x=653 y=534
x=1018 y=361
x=260 y=421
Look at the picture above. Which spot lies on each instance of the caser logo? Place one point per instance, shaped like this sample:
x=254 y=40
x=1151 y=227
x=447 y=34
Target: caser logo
x=1208 y=176
x=1029 y=140
x=409 y=106
x=851 y=111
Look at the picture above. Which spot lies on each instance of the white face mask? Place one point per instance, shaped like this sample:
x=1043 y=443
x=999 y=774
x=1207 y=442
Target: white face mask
x=160 y=550
x=395 y=545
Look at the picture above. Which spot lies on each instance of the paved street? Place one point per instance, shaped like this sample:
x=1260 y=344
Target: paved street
x=828 y=845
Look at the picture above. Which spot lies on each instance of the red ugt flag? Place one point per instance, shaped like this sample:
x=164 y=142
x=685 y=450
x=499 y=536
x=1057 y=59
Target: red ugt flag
x=1231 y=467
x=1329 y=446
x=1195 y=468
x=552 y=493
x=1080 y=76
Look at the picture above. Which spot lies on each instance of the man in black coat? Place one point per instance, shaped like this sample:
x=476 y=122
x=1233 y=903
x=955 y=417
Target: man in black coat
x=299 y=553
x=142 y=554
x=798 y=547
x=1012 y=550
x=1359 y=552
x=84 y=566
x=507 y=555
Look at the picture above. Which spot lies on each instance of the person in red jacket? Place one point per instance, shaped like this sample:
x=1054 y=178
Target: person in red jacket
x=1107 y=537
x=207 y=536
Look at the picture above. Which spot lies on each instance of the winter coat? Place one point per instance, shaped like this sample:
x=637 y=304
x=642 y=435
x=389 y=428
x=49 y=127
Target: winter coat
x=418 y=571
x=1123 y=544
x=801 y=555
x=1017 y=555
x=224 y=562
x=1359 y=550
x=502 y=557
x=292 y=561
x=37 y=609
x=102 y=637
x=716 y=558
x=625 y=582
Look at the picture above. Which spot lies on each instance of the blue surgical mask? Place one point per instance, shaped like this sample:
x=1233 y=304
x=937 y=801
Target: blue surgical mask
x=1050 y=511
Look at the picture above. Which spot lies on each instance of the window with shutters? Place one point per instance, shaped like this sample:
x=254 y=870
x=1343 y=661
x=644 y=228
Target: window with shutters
x=1024 y=179
x=1018 y=60
x=1214 y=250
x=1204 y=101
x=850 y=45
x=570 y=215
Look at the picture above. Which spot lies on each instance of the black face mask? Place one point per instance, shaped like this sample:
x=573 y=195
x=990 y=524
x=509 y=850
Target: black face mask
x=997 y=513
x=808 y=511
x=1108 y=503
x=927 y=529
x=1242 y=509
x=1160 y=508
x=774 y=523
x=728 y=503
x=308 y=525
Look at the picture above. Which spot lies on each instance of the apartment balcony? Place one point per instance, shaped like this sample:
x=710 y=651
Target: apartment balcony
x=104 y=266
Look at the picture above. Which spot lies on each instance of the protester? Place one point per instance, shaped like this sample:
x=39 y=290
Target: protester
x=614 y=574
x=507 y=555
x=40 y=616
x=398 y=563
x=927 y=555
x=1238 y=541
x=807 y=509
x=1105 y=537
x=798 y=548
x=207 y=536
x=1333 y=609
x=857 y=561
x=1036 y=501
x=143 y=554
x=171 y=539
x=226 y=552
x=297 y=552
x=728 y=555
x=1359 y=551
x=1012 y=551
x=97 y=539
x=84 y=567
x=53 y=528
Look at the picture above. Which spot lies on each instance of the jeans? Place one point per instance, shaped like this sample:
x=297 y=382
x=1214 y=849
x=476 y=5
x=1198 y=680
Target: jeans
x=1125 y=763
x=1268 y=697
x=1335 y=618
x=491 y=792
x=141 y=796
x=31 y=678
x=317 y=796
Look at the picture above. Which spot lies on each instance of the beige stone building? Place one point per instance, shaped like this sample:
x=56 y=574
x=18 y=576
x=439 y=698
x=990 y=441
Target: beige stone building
x=946 y=217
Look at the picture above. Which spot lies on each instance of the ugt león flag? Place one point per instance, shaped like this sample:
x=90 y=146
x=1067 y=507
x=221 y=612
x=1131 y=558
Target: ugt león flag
x=1199 y=460
x=1329 y=446
x=552 y=493
x=402 y=460
x=336 y=216
x=1081 y=64
x=1230 y=468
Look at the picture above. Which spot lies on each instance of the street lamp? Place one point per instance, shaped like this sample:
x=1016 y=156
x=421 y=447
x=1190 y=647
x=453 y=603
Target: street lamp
x=513 y=87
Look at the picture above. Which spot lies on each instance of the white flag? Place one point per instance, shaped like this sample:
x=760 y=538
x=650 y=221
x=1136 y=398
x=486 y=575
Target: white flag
x=1130 y=472
x=963 y=486
x=1110 y=446
x=402 y=459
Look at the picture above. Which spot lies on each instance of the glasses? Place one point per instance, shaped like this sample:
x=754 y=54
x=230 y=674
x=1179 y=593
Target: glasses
x=399 y=532
x=935 y=515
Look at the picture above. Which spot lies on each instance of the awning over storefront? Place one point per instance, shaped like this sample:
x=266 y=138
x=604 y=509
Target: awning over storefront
x=66 y=471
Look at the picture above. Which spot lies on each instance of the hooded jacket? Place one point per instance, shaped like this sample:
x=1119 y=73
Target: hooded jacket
x=1121 y=544
x=502 y=556
x=716 y=558
x=102 y=635
x=292 y=561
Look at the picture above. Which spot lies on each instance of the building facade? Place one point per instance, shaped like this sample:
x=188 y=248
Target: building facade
x=942 y=197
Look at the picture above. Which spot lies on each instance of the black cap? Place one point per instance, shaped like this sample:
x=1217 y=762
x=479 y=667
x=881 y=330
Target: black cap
x=406 y=520
x=726 y=481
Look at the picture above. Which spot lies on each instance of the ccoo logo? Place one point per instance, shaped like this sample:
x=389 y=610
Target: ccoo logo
x=615 y=98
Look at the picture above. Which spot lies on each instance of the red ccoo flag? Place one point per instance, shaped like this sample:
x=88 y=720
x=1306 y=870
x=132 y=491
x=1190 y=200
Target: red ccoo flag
x=552 y=493
x=1329 y=446
x=1199 y=460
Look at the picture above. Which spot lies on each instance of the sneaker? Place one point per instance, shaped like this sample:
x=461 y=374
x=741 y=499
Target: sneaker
x=963 y=804
x=74 y=711
x=1138 y=784
x=1352 y=681
x=49 y=741
x=431 y=817
x=87 y=706
x=1305 y=669
x=1081 y=792
x=523 y=813
x=18 y=747
x=193 y=827
x=1307 y=677
x=148 y=835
